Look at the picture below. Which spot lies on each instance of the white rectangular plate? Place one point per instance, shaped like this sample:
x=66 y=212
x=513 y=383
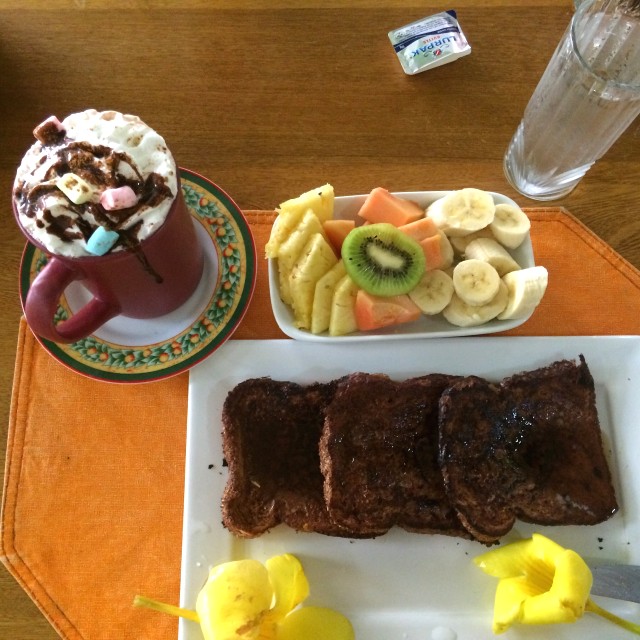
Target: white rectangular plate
x=405 y=586
x=346 y=208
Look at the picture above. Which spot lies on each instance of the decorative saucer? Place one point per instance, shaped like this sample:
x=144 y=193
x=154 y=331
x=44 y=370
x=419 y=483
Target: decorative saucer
x=130 y=350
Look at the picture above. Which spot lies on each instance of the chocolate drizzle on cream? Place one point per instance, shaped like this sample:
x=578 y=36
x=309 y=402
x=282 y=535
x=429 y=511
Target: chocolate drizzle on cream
x=104 y=168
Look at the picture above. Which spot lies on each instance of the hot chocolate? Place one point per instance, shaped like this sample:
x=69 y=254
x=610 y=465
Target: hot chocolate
x=99 y=193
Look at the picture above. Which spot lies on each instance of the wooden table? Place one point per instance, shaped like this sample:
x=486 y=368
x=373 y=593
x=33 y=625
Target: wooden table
x=270 y=98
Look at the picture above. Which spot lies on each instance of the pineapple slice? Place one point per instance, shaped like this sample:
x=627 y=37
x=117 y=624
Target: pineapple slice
x=320 y=200
x=282 y=228
x=291 y=212
x=343 y=317
x=292 y=247
x=315 y=260
x=323 y=295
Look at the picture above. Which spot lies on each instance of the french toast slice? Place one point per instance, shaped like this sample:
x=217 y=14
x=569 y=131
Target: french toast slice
x=379 y=456
x=528 y=448
x=270 y=444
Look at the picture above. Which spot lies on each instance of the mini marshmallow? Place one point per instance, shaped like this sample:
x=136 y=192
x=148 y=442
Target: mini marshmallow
x=120 y=198
x=75 y=188
x=49 y=131
x=101 y=241
x=53 y=120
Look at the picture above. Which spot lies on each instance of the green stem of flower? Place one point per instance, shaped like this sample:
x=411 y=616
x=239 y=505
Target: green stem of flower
x=142 y=601
x=625 y=624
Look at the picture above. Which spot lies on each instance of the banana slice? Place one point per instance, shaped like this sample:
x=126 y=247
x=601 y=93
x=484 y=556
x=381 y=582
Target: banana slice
x=462 y=212
x=433 y=293
x=526 y=288
x=461 y=243
x=491 y=251
x=510 y=225
x=475 y=282
x=462 y=314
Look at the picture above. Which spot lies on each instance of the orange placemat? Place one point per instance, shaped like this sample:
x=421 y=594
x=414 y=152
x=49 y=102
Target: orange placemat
x=93 y=490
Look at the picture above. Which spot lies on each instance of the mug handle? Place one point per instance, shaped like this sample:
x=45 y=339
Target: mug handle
x=42 y=302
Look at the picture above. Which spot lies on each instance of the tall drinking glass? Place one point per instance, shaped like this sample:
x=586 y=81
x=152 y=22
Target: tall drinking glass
x=587 y=97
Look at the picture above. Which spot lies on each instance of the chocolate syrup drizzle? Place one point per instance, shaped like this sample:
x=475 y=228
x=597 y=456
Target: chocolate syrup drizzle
x=81 y=158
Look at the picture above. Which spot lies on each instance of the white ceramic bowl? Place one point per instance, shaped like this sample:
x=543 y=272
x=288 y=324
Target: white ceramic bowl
x=347 y=207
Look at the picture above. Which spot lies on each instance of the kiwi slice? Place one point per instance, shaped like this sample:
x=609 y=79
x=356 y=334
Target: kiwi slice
x=383 y=260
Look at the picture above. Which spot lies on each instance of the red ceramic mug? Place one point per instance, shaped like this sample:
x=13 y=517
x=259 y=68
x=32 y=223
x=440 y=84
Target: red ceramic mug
x=146 y=283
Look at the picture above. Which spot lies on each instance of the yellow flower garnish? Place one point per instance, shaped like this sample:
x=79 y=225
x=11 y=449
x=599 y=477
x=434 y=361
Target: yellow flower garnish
x=248 y=600
x=541 y=583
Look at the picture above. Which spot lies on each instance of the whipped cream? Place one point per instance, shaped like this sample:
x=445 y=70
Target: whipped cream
x=107 y=150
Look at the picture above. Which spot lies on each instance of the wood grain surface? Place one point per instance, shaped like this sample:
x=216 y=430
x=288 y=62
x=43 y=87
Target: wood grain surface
x=271 y=98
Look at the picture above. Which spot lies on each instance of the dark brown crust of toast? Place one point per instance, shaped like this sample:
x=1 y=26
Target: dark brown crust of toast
x=528 y=448
x=379 y=456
